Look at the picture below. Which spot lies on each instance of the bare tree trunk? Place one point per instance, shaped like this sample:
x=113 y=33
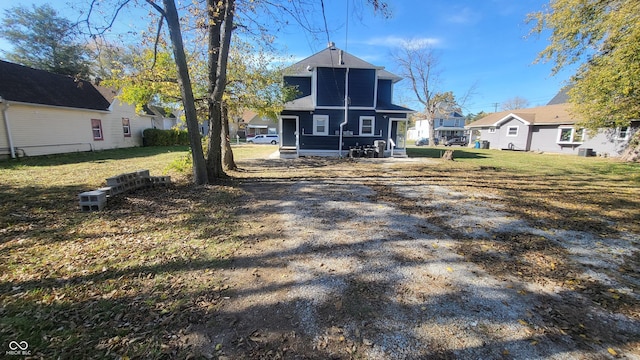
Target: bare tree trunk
x=221 y=25
x=228 y=163
x=184 y=81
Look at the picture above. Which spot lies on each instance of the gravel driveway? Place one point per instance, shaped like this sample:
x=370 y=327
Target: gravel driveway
x=387 y=267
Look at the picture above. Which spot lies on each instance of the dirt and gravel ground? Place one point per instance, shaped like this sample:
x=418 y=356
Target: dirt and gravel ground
x=369 y=261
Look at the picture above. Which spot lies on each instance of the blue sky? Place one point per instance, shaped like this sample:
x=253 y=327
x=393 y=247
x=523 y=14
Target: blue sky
x=481 y=42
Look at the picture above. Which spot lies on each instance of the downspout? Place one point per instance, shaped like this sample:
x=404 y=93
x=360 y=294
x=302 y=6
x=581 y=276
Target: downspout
x=346 y=110
x=5 y=107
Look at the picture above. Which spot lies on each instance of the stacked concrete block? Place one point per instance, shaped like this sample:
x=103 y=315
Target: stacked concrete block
x=93 y=200
x=97 y=199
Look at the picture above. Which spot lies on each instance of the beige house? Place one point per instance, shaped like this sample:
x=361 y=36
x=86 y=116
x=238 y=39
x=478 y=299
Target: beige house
x=44 y=113
x=251 y=124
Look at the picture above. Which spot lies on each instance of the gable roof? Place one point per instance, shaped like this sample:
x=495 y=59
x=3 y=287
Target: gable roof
x=557 y=114
x=330 y=57
x=24 y=84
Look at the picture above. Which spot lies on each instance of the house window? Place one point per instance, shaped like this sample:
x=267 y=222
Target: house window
x=492 y=130
x=440 y=122
x=367 y=125
x=126 y=127
x=512 y=131
x=568 y=135
x=320 y=124
x=96 y=128
x=622 y=133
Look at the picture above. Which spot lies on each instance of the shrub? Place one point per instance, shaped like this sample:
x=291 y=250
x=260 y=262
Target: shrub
x=157 y=137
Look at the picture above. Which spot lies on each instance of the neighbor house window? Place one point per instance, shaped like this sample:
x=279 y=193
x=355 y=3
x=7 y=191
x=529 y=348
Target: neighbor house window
x=367 y=125
x=492 y=130
x=512 y=131
x=622 y=133
x=126 y=127
x=320 y=124
x=440 y=122
x=96 y=128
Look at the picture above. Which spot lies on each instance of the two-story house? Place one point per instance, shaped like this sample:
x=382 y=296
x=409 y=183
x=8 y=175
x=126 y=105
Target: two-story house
x=342 y=102
x=446 y=125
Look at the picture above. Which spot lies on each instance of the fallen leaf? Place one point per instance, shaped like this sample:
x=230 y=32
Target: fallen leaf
x=612 y=352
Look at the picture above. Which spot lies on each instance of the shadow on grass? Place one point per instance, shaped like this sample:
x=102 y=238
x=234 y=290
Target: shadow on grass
x=458 y=153
x=90 y=156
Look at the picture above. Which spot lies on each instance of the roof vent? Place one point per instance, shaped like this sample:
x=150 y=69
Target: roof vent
x=331 y=45
x=341 y=58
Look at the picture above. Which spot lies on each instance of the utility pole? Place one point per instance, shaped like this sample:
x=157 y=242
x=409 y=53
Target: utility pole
x=495 y=106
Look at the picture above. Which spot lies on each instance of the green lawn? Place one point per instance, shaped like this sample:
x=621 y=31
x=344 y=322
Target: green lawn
x=535 y=164
x=127 y=280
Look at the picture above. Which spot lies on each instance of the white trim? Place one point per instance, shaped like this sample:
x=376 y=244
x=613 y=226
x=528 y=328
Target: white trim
x=314 y=87
x=317 y=118
x=297 y=132
x=509 y=117
x=626 y=133
x=373 y=125
x=513 y=127
x=572 y=135
x=58 y=107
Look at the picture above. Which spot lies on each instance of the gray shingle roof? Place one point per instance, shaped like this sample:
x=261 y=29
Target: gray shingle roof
x=24 y=84
x=330 y=57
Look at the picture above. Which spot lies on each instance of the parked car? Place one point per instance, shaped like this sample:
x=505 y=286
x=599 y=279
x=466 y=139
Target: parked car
x=264 y=139
x=424 y=141
x=456 y=141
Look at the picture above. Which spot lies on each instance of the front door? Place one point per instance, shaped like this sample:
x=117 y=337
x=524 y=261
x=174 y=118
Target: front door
x=289 y=132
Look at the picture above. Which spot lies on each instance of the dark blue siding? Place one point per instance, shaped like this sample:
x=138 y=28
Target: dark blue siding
x=303 y=84
x=384 y=91
x=330 y=87
x=361 y=87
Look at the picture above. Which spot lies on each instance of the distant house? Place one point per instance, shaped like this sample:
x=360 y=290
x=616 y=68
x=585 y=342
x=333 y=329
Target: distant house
x=160 y=118
x=445 y=125
x=45 y=113
x=251 y=124
x=342 y=102
x=549 y=128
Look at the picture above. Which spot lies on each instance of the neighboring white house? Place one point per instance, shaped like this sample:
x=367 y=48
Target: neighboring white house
x=45 y=113
x=160 y=119
x=549 y=128
x=446 y=126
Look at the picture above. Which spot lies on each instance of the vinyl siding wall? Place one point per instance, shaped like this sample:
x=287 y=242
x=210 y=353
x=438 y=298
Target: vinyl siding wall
x=41 y=130
x=331 y=141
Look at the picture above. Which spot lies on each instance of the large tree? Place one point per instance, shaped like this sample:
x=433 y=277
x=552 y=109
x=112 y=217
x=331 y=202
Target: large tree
x=44 y=40
x=603 y=37
x=420 y=67
x=218 y=22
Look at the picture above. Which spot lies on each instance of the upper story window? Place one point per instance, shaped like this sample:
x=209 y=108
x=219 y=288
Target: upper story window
x=126 y=127
x=512 y=131
x=96 y=128
x=320 y=124
x=569 y=135
x=440 y=122
x=367 y=125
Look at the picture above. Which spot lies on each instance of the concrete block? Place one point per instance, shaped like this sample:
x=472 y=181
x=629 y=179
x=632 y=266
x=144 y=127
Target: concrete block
x=114 y=181
x=93 y=200
x=107 y=190
x=142 y=173
x=93 y=196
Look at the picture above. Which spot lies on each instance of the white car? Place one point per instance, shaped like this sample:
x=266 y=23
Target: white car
x=264 y=139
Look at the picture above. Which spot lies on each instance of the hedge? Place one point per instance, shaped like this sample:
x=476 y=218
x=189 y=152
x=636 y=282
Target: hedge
x=157 y=137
